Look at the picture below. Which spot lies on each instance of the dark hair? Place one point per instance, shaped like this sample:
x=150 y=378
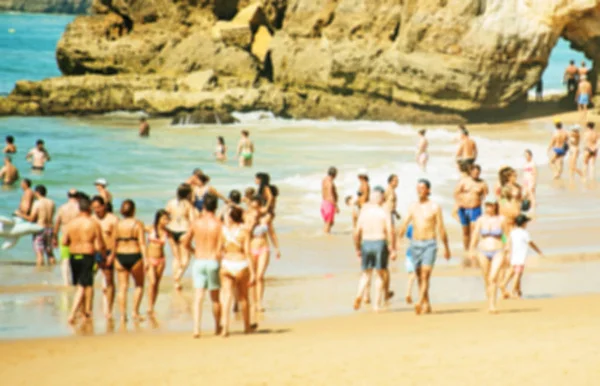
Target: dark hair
x=210 y=203
x=245 y=133
x=464 y=130
x=249 y=192
x=197 y=172
x=236 y=215
x=425 y=182
x=379 y=189
x=264 y=182
x=274 y=190
x=221 y=140
x=558 y=125
x=157 y=216
x=128 y=208
x=464 y=167
x=183 y=191
x=10 y=139
x=257 y=199
x=572 y=61
x=583 y=63
x=591 y=125
x=39 y=142
x=475 y=166
x=504 y=174
x=99 y=200
x=204 y=178
x=41 y=189
x=529 y=152
x=422 y=131
x=235 y=196
x=72 y=194
x=391 y=178
x=27 y=182
x=521 y=220
x=143 y=119
x=332 y=172
x=84 y=203
x=496 y=207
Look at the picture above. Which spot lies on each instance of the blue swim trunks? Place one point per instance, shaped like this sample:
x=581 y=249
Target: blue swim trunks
x=584 y=99
x=468 y=215
x=408 y=263
x=423 y=253
x=560 y=151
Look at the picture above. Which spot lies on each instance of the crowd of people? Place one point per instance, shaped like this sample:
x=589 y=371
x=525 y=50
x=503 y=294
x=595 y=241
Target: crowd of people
x=493 y=221
x=226 y=250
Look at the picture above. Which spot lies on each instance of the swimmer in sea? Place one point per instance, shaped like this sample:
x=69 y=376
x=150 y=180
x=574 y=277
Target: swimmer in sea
x=27 y=198
x=9 y=173
x=529 y=179
x=559 y=146
x=65 y=214
x=574 y=139
x=583 y=96
x=157 y=238
x=422 y=147
x=38 y=156
x=144 y=128
x=245 y=150
x=181 y=214
x=590 y=152
x=221 y=150
x=10 y=147
x=467 y=149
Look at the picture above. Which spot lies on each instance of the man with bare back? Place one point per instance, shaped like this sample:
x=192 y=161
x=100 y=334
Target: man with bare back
x=329 y=206
x=428 y=225
x=64 y=215
x=570 y=77
x=466 y=154
x=583 y=96
x=206 y=234
x=590 y=152
x=42 y=213
x=26 y=202
x=8 y=173
x=559 y=147
x=83 y=237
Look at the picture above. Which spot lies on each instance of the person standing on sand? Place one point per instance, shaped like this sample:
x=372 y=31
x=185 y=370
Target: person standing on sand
x=390 y=198
x=570 y=77
x=206 y=234
x=181 y=214
x=245 y=150
x=157 y=238
x=590 y=152
x=108 y=225
x=102 y=187
x=27 y=198
x=38 y=156
x=83 y=237
x=428 y=224
x=469 y=195
x=582 y=70
x=467 y=148
x=574 y=140
x=422 y=147
x=9 y=173
x=530 y=179
x=42 y=213
x=10 y=147
x=144 y=128
x=375 y=243
x=583 y=97
x=329 y=206
x=559 y=146
x=363 y=189
x=65 y=214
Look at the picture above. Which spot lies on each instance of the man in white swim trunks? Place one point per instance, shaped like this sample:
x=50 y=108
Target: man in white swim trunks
x=206 y=234
x=422 y=146
x=245 y=150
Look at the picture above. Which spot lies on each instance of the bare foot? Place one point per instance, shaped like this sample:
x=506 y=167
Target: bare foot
x=137 y=317
x=389 y=295
x=418 y=309
x=219 y=330
x=123 y=319
x=224 y=334
x=427 y=309
x=367 y=300
x=357 y=304
x=505 y=294
x=492 y=310
x=196 y=335
x=408 y=299
x=517 y=295
x=71 y=320
x=252 y=328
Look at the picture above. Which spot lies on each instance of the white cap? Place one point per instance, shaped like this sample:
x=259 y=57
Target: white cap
x=101 y=181
x=363 y=172
x=575 y=127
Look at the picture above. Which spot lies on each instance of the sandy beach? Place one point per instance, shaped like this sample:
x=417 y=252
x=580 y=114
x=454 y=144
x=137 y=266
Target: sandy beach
x=536 y=342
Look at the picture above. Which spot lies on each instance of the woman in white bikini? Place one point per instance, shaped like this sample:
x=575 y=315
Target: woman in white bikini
x=157 y=238
x=181 y=214
x=237 y=270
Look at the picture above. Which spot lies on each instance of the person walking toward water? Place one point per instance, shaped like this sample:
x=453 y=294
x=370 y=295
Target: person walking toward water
x=65 y=214
x=245 y=150
x=590 y=152
x=131 y=259
x=570 y=77
x=466 y=154
x=38 y=156
x=27 y=198
x=519 y=243
x=422 y=147
x=101 y=185
x=221 y=150
x=583 y=96
x=559 y=146
x=42 y=213
x=108 y=225
x=181 y=214
x=329 y=205
x=206 y=235
x=10 y=147
x=144 y=128
x=83 y=237
x=428 y=225
x=375 y=244
x=574 y=139
x=9 y=173
x=488 y=234
x=157 y=238
x=469 y=195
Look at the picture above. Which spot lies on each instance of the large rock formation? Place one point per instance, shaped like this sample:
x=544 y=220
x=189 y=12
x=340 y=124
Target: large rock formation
x=407 y=60
x=46 y=6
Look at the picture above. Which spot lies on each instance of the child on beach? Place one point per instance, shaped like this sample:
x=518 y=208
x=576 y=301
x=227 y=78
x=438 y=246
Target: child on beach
x=518 y=244
x=410 y=267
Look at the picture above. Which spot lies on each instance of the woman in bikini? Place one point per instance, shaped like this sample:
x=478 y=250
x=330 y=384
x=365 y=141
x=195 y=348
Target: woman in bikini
x=261 y=232
x=237 y=269
x=130 y=252
x=265 y=193
x=487 y=236
x=157 y=238
x=511 y=196
x=221 y=150
x=181 y=214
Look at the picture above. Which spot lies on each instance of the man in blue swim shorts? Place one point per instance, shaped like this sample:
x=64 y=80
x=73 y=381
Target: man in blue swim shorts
x=559 y=146
x=582 y=97
x=428 y=224
x=469 y=194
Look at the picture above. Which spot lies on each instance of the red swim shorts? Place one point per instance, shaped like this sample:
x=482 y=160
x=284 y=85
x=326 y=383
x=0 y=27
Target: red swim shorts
x=328 y=211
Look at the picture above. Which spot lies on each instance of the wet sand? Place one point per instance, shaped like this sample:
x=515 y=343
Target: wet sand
x=537 y=342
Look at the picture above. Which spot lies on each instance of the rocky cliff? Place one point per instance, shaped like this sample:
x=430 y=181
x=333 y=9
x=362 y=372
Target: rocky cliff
x=46 y=6
x=406 y=60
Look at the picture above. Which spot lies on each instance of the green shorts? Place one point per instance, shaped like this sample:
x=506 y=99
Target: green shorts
x=205 y=274
x=64 y=252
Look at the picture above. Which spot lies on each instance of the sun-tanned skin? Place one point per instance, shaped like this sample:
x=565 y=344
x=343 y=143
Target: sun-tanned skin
x=9 y=173
x=108 y=225
x=65 y=214
x=42 y=213
x=330 y=197
x=590 y=152
x=557 y=142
